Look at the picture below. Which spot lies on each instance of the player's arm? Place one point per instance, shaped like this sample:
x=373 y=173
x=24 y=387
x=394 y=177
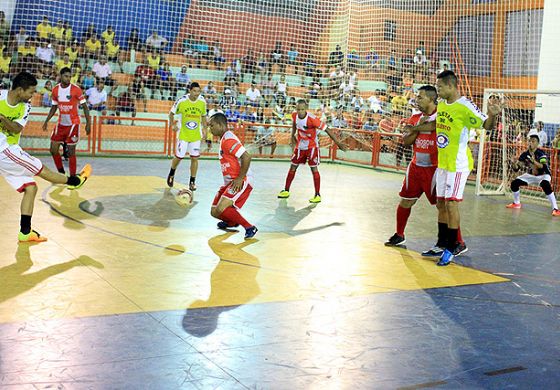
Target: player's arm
x=293 y=140
x=237 y=183
x=536 y=164
x=409 y=135
x=11 y=126
x=340 y=145
x=172 y=121
x=494 y=109
x=88 y=118
x=51 y=113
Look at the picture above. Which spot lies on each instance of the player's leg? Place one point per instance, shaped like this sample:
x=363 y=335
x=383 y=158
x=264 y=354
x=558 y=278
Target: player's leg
x=194 y=153
x=297 y=157
x=180 y=153
x=26 y=234
x=403 y=212
x=227 y=206
x=272 y=149
x=314 y=162
x=411 y=190
x=516 y=191
x=547 y=188
x=57 y=158
x=71 y=141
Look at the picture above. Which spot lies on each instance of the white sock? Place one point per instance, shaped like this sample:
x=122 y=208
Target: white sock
x=552 y=200
x=517 y=197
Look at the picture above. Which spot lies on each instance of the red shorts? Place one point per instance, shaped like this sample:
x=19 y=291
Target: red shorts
x=419 y=180
x=309 y=156
x=68 y=134
x=239 y=198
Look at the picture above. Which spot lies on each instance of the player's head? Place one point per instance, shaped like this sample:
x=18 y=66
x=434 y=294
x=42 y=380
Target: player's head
x=427 y=99
x=217 y=124
x=65 y=75
x=446 y=84
x=24 y=85
x=301 y=108
x=533 y=142
x=194 y=90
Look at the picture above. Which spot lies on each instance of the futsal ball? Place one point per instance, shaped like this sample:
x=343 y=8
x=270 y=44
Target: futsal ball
x=184 y=197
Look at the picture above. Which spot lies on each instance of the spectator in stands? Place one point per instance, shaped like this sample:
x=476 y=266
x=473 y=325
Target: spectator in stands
x=137 y=91
x=73 y=51
x=97 y=98
x=375 y=104
x=407 y=83
x=64 y=62
x=108 y=36
x=248 y=65
x=203 y=52
x=146 y=73
x=46 y=93
x=183 y=80
x=345 y=91
x=76 y=77
x=188 y=50
x=92 y=48
x=154 y=60
x=339 y=121
x=262 y=66
x=372 y=60
x=44 y=29
x=336 y=57
x=21 y=37
x=45 y=54
x=26 y=56
x=89 y=33
x=355 y=121
x=420 y=65
x=5 y=61
x=4 y=29
x=156 y=42
x=218 y=59
x=336 y=77
x=370 y=124
x=279 y=111
x=556 y=143
x=265 y=137
x=88 y=80
x=281 y=89
x=357 y=101
x=407 y=61
x=227 y=100
x=68 y=33
x=58 y=34
x=292 y=56
x=314 y=89
x=253 y=95
x=392 y=61
x=232 y=113
x=353 y=59
x=393 y=79
x=102 y=71
x=248 y=115
x=209 y=92
x=268 y=90
x=352 y=79
x=260 y=114
x=125 y=103
x=112 y=50
x=310 y=66
x=277 y=58
x=165 y=81
x=399 y=104
x=543 y=136
x=133 y=41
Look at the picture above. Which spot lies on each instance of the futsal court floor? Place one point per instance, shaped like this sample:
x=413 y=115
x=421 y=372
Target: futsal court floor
x=134 y=292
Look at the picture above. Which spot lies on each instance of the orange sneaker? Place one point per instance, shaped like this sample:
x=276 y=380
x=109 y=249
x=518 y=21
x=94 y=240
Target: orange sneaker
x=83 y=175
x=556 y=213
x=514 y=206
x=33 y=236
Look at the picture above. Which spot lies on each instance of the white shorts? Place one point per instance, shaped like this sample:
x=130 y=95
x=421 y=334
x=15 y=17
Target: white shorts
x=184 y=147
x=532 y=179
x=19 y=167
x=451 y=185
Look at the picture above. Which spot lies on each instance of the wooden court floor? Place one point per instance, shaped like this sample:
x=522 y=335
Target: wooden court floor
x=134 y=291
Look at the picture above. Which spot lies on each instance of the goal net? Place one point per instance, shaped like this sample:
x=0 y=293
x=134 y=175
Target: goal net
x=497 y=149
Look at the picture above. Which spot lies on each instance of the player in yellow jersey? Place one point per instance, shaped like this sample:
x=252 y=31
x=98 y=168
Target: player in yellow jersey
x=17 y=166
x=191 y=130
x=456 y=115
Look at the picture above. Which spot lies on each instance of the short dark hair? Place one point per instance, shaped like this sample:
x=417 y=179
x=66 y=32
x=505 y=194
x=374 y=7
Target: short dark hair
x=535 y=136
x=219 y=119
x=24 y=80
x=194 y=84
x=430 y=90
x=448 y=77
x=65 y=70
x=302 y=101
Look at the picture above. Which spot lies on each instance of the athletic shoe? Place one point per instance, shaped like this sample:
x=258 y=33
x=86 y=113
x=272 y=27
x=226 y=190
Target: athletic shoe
x=32 y=236
x=250 y=232
x=433 y=251
x=513 y=206
x=192 y=186
x=315 y=199
x=460 y=249
x=284 y=194
x=395 y=240
x=556 y=213
x=446 y=258
x=225 y=226
x=83 y=176
x=170 y=180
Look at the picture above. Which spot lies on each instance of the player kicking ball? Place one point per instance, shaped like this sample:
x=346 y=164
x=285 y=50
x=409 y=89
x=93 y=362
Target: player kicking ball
x=305 y=138
x=235 y=161
x=535 y=162
x=17 y=166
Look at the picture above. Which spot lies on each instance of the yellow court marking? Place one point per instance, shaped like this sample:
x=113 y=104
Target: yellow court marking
x=96 y=269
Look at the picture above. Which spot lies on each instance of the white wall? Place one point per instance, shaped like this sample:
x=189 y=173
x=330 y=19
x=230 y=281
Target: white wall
x=8 y=6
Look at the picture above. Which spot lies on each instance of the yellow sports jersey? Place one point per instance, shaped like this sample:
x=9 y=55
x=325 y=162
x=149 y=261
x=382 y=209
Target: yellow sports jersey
x=154 y=61
x=68 y=34
x=61 y=64
x=191 y=117
x=92 y=47
x=72 y=54
x=453 y=125
x=58 y=33
x=25 y=51
x=44 y=31
x=108 y=37
x=5 y=64
x=112 y=49
x=18 y=113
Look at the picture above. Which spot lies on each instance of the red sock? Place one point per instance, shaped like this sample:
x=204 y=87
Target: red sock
x=58 y=162
x=289 y=179
x=459 y=237
x=402 y=219
x=232 y=217
x=317 y=182
x=72 y=164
